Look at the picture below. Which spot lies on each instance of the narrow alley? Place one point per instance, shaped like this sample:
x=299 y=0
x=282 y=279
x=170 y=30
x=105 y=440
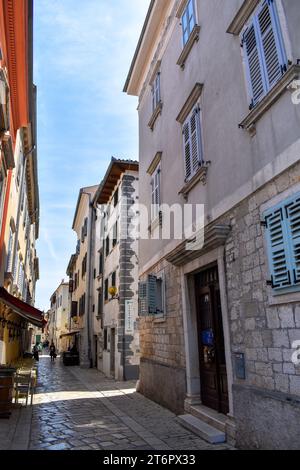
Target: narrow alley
x=76 y=409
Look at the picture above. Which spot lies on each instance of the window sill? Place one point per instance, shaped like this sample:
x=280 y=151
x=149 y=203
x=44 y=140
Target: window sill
x=273 y=95
x=160 y=318
x=155 y=115
x=200 y=176
x=194 y=37
x=280 y=298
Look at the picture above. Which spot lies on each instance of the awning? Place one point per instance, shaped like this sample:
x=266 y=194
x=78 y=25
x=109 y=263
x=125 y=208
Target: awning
x=26 y=311
x=72 y=333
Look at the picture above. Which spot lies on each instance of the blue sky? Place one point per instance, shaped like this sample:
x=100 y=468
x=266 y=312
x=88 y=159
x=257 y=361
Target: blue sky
x=83 y=51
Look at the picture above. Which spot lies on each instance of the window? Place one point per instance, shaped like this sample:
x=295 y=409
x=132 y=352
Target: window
x=107 y=246
x=113 y=279
x=106 y=290
x=192 y=143
x=283 y=241
x=85 y=227
x=84 y=266
x=100 y=302
x=82 y=305
x=155 y=193
x=116 y=197
x=21 y=277
x=9 y=259
x=156 y=92
x=105 y=342
x=115 y=234
x=264 y=52
x=74 y=309
x=188 y=21
x=100 y=263
x=152 y=296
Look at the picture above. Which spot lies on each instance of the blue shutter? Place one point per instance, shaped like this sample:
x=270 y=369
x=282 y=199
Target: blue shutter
x=143 y=304
x=271 y=42
x=278 y=249
x=264 y=51
x=253 y=64
x=152 y=294
x=293 y=218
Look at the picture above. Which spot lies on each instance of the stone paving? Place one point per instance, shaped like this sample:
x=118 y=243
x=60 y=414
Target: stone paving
x=77 y=409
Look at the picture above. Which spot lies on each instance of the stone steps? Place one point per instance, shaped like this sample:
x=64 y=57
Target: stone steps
x=209 y=416
x=202 y=429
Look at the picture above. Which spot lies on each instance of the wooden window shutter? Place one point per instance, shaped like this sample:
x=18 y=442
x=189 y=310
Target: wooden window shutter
x=196 y=140
x=143 y=304
x=264 y=51
x=152 y=294
x=293 y=222
x=253 y=65
x=187 y=150
x=278 y=249
x=9 y=252
x=192 y=143
x=271 y=42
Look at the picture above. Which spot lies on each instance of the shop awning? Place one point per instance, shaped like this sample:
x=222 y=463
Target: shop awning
x=26 y=311
x=72 y=333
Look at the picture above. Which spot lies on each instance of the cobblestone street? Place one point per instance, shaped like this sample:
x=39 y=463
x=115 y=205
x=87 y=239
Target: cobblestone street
x=80 y=409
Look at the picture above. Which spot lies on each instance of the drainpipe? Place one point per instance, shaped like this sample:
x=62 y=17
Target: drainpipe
x=88 y=303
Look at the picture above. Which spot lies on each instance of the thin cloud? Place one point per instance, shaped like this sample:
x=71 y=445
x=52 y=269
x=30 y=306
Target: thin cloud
x=82 y=56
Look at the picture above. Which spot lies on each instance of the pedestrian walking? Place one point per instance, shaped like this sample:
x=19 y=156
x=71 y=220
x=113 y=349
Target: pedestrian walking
x=35 y=351
x=52 y=352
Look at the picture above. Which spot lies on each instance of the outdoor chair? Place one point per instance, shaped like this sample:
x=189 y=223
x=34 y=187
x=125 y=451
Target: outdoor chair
x=23 y=385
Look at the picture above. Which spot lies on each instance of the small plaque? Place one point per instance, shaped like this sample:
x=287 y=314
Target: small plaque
x=240 y=369
x=129 y=317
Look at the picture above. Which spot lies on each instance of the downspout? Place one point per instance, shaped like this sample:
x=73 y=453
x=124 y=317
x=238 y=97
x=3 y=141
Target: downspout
x=88 y=287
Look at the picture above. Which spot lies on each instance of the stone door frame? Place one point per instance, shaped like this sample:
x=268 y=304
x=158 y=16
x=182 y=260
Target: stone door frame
x=189 y=312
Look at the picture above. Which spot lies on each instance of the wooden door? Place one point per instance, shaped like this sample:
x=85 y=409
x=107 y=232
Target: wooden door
x=112 y=351
x=213 y=375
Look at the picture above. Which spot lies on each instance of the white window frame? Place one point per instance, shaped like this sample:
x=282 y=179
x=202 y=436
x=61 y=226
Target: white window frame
x=155 y=193
x=186 y=20
x=156 y=92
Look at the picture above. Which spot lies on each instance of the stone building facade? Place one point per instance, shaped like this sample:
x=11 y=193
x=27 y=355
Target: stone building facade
x=19 y=191
x=219 y=126
x=59 y=317
x=117 y=262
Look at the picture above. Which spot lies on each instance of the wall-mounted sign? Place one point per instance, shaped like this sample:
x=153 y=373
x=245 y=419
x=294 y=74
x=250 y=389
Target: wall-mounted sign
x=129 y=317
x=240 y=369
